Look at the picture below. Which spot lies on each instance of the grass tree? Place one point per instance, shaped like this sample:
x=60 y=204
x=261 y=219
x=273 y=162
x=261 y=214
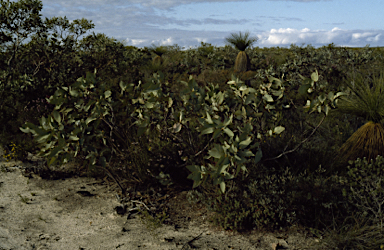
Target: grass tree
x=241 y=42
x=366 y=100
x=158 y=51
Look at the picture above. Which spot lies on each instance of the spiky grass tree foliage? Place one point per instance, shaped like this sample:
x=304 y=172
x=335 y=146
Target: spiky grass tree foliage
x=366 y=101
x=158 y=51
x=241 y=42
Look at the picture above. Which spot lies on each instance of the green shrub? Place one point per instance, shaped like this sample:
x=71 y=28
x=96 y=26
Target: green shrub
x=365 y=192
x=275 y=199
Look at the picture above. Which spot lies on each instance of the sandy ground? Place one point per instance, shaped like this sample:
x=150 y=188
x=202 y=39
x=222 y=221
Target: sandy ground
x=80 y=213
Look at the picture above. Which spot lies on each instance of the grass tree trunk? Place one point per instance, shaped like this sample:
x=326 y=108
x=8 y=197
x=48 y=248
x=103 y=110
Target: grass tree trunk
x=241 y=63
x=367 y=141
x=157 y=60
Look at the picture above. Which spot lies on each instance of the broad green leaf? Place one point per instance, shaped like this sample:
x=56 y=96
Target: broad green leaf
x=220 y=98
x=43 y=138
x=170 y=102
x=107 y=93
x=176 y=128
x=89 y=120
x=246 y=153
x=245 y=143
x=269 y=106
x=209 y=119
x=278 y=130
x=216 y=152
x=73 y=138
x=222 y=186
x=233 y=149
x=51 y=161
x=239 y=159
x=181 y=117
x=207 y=131
x=315 y=76
x=26 y=130
x=149 y=105
x=228 y=132
x=193 y=168
x=268 y=98
x=258 y=155
x=123 y=86
x=57 y=116
x=73 y=92
x=326 y=109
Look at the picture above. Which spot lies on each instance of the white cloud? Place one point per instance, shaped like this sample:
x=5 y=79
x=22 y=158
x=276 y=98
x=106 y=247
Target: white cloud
x=135 y=42
x=168 y=41
x=335 y=29
x=287 y=36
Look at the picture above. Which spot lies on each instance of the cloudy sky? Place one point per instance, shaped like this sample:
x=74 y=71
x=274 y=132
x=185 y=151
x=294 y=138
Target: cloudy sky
x=189 y=22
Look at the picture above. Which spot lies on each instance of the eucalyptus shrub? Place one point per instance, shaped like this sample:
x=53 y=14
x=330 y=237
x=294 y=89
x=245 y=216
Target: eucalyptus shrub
x=87 y=118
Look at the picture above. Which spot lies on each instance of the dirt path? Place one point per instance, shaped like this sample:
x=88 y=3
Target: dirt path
x=79 y=213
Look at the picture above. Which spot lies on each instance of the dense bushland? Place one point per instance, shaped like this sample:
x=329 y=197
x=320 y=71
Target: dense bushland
x=259 y=147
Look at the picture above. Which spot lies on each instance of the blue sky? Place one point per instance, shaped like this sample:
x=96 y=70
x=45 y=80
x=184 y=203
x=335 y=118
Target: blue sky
x=281 y=23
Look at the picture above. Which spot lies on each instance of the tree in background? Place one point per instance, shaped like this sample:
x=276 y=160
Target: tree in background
x=36 y=57
x=241 y=42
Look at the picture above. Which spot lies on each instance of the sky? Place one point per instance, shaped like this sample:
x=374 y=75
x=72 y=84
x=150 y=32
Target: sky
x=187 y=23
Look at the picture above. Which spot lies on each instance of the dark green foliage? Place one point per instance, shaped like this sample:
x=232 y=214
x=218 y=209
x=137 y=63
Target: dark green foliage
x=365 y=181
x=39 y=56
x=276 y=199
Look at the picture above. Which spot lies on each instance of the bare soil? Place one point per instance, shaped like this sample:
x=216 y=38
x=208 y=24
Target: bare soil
x=87 y=213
